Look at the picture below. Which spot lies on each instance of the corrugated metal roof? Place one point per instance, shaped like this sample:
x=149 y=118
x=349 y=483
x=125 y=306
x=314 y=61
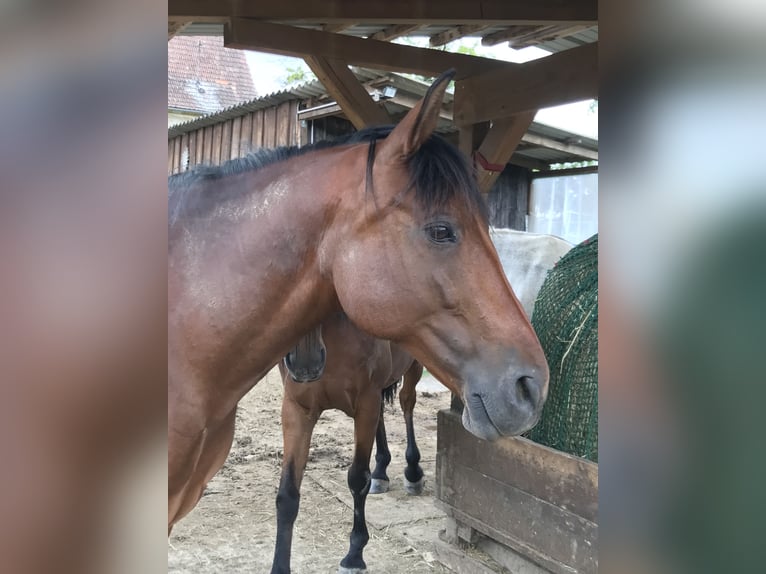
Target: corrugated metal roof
x=299 y=92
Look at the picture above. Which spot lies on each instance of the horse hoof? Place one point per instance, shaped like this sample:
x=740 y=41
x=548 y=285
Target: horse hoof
x=377 y=486
x=344 y=570
x=414 y=488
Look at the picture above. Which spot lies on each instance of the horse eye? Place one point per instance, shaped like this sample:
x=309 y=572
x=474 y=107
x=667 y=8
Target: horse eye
x=441 y=233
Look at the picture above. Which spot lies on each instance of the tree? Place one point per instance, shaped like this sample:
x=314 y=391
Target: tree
x=297 y=75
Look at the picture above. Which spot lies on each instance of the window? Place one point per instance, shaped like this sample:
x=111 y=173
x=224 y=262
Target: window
x=565 y=206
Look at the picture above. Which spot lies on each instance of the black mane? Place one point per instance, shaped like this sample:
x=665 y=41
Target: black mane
x=439 y=173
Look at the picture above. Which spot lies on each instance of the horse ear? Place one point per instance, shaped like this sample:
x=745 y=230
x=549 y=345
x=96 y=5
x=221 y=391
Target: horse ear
x=419 y=123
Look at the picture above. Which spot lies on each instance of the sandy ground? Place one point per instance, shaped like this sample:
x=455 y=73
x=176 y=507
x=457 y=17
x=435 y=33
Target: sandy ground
x=233 y=528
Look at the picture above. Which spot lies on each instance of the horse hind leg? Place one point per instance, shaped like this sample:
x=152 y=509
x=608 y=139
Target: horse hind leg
x=365 y=425
x=413 y=473
x=380 y=482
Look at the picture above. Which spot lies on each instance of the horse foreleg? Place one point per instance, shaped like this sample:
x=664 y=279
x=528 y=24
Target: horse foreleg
x=380 y=482
x=183 y=454
x=413 y=474
x=297 y=426
x=365 y=426
x=213 y=450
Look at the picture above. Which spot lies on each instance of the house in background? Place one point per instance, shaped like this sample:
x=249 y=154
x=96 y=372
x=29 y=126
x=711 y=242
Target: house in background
x=205 y=78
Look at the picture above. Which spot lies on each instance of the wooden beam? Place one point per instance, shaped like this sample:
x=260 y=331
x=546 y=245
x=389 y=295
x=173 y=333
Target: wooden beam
x=534 y=32
x=500 y=143
x=561 y=78
x=329 y=109
x=529 y=162
x=175 y=27
x=551 y=143
x=505 y=35
x=337 y=27
x=411 y=102
x=291 y=41
x=454 y=33
x=395 y=31
x=544 y=34
x=523 y=36
x=454 y=12
x=564 y=172
x=343 y=86
x=470 y=138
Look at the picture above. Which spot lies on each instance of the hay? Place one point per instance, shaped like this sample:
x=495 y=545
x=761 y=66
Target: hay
x=566 y=321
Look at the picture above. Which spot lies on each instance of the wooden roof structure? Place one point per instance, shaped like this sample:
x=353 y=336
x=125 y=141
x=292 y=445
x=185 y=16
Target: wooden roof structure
x=495 y=100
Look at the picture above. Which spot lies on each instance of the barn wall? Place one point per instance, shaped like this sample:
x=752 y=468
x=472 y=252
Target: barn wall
x=236 y=137
x=328 y=128
x=509 y=198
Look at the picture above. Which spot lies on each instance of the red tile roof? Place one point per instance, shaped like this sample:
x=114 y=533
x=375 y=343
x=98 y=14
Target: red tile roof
x=205 y=77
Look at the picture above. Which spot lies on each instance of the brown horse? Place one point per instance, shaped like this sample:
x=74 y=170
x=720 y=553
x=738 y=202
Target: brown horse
x=388 y=226
x=363 y=367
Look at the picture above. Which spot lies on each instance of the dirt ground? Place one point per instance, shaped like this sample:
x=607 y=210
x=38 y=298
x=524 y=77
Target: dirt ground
x=233 y=528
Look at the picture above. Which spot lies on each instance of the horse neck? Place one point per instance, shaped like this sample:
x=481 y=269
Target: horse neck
x=251 y=270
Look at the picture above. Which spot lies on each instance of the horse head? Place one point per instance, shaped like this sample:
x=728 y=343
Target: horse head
x=416 y=265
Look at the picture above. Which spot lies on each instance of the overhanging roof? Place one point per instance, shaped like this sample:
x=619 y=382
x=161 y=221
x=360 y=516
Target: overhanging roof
x=541 y=146
x=540 y=36
x=551 y=24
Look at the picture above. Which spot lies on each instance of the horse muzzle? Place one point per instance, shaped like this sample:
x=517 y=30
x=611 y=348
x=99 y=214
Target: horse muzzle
x=306 y=361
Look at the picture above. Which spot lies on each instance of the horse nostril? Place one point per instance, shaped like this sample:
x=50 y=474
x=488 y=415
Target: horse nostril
x=526 y=390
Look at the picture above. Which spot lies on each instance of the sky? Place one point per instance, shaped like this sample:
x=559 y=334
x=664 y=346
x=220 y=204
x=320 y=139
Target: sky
x=578 y=117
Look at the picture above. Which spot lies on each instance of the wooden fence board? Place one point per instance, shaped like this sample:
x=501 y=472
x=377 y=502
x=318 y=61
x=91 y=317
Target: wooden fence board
x=302 y=129
x=538 y=501
x=294 y=124
x=192 y=148
x=200 y=156
x=269 y=127
x=283 y=124
x=226 y=142
x=207 y=150
x=236 y=133
x=245 y=139
x=176 y=154
x=217 y=135
x=256 y=142
x=184 y=152
x=568 y=481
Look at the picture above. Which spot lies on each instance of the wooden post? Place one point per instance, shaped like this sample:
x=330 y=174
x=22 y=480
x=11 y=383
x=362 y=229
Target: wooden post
x=471 y=136
x=498 y=147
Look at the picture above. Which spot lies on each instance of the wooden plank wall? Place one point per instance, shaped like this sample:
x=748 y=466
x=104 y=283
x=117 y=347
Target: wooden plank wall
x=508 y=200
x=236 y=137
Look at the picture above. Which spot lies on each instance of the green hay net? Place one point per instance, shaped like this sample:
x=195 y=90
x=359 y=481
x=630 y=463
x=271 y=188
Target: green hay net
x=566 y=321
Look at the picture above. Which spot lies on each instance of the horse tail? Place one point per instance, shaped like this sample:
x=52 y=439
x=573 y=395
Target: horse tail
x=389 y=393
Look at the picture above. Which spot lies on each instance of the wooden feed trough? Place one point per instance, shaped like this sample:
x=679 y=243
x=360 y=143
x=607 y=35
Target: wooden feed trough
x=532 y=508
